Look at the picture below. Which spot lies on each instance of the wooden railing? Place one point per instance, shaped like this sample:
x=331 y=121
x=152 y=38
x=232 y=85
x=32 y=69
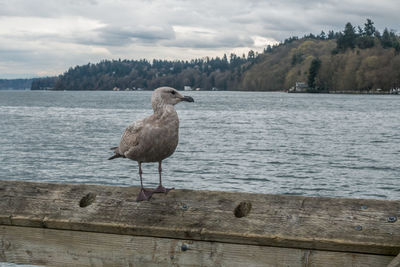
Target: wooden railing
x=92 y=225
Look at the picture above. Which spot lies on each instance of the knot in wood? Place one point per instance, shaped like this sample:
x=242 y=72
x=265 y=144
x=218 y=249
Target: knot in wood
x=243 y=209
x=87 y=200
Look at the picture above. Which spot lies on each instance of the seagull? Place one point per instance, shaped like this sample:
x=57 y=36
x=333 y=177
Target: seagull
x=154 y=138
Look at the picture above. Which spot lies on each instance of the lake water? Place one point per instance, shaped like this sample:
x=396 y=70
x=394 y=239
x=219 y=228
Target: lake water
x=301 y=144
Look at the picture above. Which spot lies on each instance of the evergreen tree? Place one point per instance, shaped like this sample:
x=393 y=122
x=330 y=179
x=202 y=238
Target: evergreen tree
x=313 y=71
x=331 y=35
x=360 y=31
x=347 y=39
x=395 y=41
x=369 y=29
x=366 y=35
x=386 y=40
x=251 y=55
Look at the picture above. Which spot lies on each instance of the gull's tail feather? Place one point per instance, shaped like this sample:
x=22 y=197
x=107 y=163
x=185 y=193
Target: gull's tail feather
x=116 y=153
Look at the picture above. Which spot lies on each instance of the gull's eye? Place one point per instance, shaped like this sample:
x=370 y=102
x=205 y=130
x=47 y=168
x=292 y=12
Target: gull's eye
x=173 y=92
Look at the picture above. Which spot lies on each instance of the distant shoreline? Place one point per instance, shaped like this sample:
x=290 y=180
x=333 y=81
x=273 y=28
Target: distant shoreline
x=257 y=91
x=348 y=93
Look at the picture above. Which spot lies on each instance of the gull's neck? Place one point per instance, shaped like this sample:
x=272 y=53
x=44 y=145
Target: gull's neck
x=161 y=109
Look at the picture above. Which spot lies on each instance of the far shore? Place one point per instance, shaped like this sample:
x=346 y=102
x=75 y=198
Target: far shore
x=372 y=92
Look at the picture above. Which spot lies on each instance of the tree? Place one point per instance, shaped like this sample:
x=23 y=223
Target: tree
x=251 y=55
x=347 y=39
x=389 y=39
x=366 y=35
x=386 y=40
x=369 y=29
x=396 y=45
x=313 y=71
x=331 y=35
x=322 y=35
x=224 y=62
x=360 y=31
x=365 y=42
x=297 y=58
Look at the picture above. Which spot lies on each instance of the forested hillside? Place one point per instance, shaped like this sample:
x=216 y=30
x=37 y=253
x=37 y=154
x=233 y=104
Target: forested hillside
x=357 y=59
x=358 y=62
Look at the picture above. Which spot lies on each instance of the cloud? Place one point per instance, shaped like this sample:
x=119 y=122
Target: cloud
x=195 y=37
x=38 y=36
x=123 y=35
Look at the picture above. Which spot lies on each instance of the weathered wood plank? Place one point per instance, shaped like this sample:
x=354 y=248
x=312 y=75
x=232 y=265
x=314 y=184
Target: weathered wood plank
x=338 y=224
x=48 y=247
x=395 y=262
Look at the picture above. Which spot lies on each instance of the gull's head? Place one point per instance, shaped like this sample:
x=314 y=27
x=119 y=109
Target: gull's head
x=168 y=96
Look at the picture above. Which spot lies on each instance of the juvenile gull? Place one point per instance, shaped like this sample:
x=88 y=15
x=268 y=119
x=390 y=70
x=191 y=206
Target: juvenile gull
x=154 y=138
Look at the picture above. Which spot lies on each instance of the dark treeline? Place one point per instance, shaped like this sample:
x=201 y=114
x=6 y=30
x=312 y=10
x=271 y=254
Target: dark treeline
x=221 y=73
x=366 y=37
x=15 y=84
x=355 y=59
x=46 y=83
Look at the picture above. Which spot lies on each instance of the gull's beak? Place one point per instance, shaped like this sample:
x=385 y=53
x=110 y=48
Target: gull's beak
x=187 y=98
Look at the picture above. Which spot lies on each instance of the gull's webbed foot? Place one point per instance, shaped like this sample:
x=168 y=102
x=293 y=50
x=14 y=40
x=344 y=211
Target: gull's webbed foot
x=144 y=195
x=162 y=189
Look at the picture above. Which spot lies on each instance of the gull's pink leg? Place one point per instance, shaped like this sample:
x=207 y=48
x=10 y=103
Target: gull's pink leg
x=143 y=194
x=160 y=188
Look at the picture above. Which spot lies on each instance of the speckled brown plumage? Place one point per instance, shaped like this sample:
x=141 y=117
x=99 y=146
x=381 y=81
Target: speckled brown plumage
x=154 y=138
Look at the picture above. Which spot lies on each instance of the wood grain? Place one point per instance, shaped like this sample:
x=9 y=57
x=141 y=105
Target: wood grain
x=48 y=247
x=395 y=262
x=336 y=224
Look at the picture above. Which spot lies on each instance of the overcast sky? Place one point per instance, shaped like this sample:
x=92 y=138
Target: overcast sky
x=46 y=37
